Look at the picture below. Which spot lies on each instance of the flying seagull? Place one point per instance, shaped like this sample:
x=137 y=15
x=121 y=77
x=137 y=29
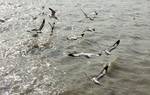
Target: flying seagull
x=86 y=16
x=101 y=74
x=53 y=12
x=89 y=55
x=77 y=54
x=40 y=28
x=89 y=29
x=111 y=48
x=75 y=37
x=37 y=30
x=52 y=27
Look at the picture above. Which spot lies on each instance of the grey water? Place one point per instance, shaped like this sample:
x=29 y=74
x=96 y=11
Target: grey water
x=49 y=71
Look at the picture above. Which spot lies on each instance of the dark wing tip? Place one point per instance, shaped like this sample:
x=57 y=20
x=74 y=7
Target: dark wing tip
x=50 y=9
x=71 y=54
x=53 y=11
x=42 y=25
x=118 y=42
x=43 y=22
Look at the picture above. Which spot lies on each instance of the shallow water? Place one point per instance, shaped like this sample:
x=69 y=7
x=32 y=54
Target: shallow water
x=49 y=71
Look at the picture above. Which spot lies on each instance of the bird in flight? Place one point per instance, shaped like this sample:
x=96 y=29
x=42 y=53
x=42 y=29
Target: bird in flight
x=53 y=13
x=111 y=48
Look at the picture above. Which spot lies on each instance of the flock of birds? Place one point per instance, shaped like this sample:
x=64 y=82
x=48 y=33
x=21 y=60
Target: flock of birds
x=107 y=51
x=89 y=55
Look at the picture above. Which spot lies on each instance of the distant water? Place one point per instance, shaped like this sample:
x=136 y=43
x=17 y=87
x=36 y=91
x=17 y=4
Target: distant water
x=49 y=71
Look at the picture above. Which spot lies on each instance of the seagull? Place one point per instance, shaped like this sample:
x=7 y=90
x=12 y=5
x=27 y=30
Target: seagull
x=37 y=30
x=53 y=12
x=75 y=37
x=40 y=28
x=87 y=55
x=86 y=16
x=89 y=29
x=52 y=27
x=100 y=75
x=111 y=48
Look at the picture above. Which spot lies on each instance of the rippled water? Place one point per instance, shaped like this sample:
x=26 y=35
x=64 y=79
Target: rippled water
x=49 y=71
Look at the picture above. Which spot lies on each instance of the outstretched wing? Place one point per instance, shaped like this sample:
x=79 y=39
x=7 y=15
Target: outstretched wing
x=53 y=11
x=42 y=25
x=114 y=46
x=84 y=13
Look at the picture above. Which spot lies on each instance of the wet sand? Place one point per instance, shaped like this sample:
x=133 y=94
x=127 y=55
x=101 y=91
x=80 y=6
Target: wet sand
x=48 y=70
